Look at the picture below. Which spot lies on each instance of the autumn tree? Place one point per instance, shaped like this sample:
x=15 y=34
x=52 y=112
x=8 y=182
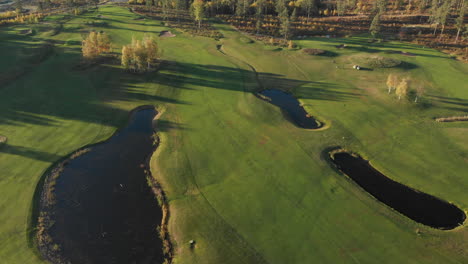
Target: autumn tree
x=392 y=82
x=140 y=55
x=198 y=9
x=95 y=44
x=402 y=88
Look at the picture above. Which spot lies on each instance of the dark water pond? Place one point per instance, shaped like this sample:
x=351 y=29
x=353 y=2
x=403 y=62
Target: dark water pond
x=420 y=207
x=105 y=210
x=291 y=107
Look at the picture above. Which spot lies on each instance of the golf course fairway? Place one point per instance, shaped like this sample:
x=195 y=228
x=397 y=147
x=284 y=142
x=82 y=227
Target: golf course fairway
x=243 y=182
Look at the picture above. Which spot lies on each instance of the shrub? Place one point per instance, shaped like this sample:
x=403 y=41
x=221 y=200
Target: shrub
x=314 y=51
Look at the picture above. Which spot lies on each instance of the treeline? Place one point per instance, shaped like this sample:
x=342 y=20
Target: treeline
x=312 y=7
x=440 y=12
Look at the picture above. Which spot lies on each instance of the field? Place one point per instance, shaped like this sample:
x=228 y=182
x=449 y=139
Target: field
x=242 y=180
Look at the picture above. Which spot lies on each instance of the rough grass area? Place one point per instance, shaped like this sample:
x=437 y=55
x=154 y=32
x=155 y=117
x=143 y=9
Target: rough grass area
x=374 y=61
x=309 y=51
x=241 y=180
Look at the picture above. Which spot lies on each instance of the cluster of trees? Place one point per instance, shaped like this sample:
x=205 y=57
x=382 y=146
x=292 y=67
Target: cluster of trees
x=21 y=19
x=140 y=55
x=400 y=86
x=95 y=44
x=403 y=87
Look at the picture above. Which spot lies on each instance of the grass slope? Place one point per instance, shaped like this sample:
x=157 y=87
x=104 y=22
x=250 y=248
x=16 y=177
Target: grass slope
x=243 y=182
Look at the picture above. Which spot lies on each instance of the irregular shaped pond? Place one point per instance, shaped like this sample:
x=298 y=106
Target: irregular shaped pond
x=420 y=207
x=291 y=106
x=104 y=210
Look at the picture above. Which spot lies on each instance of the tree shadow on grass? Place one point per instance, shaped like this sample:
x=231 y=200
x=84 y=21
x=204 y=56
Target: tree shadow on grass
x=29 y=153
x=53 y=91
x=450 y=103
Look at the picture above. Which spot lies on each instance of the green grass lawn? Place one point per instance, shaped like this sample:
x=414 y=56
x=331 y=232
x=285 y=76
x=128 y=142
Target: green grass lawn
x=244 y=182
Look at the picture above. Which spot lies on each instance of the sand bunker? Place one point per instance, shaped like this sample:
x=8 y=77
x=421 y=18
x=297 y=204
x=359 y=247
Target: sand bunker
x=166 y=34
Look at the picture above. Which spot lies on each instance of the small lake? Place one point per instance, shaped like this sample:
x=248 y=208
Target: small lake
x=105 y=211
x=421 y=207
x=291 y=107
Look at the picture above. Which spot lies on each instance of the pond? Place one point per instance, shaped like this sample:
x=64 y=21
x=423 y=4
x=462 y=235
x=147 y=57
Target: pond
x=421 y=207
x=105 y=210
x=291 y=107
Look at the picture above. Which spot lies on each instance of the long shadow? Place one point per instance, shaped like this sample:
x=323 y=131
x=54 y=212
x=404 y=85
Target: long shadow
x=327 y=92
x=451 y=103
x=29 y=153
x=374 y=47
x=48 y=103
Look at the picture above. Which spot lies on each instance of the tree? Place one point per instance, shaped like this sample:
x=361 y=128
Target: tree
x=127 y=56
x=285 y=23
x=293 y=17
x=140 y=54
x=280 y=6
x=40 y=6
x=402 y=88
x=151 y=50
x=444 y=11
x=259 y=14
x=460 y=20
x=439 y=13
x=309 y=6
x=95 y=44
x=340 y=7
x=392 y=82
x=375 y=25
x=19 y=6
x=198 y=8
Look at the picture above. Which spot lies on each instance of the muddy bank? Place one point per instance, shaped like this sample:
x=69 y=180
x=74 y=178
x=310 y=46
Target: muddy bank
x=452 y=119
x=291 y=107
x=101 y=205
x=418 y=206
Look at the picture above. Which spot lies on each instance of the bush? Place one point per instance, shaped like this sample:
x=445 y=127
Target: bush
x=376 y=61
x=2 y=140
x=314 y=51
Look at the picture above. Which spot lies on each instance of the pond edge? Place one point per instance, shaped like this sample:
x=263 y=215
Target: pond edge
x=38 y=205
x=327 y=155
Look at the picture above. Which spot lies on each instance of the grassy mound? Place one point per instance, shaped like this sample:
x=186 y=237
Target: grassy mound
x=375 y=61
x=314 y=51
x=246 y=40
